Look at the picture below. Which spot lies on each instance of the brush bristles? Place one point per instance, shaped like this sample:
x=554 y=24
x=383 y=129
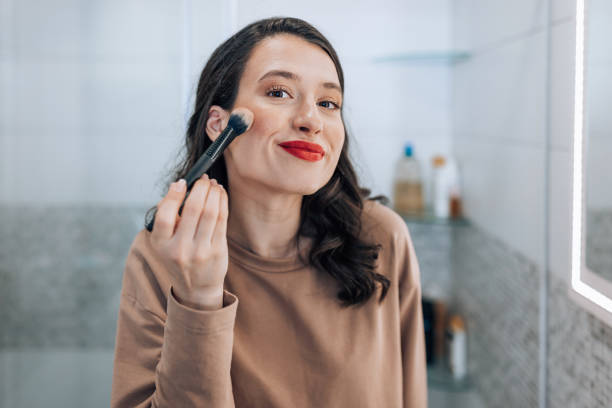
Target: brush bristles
x=240 y=120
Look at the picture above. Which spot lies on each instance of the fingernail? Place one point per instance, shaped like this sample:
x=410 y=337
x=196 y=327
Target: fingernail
x=179 y=186
x=205 y=176
x=213 y=182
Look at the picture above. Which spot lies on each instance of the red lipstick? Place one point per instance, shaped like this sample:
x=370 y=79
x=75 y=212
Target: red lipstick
x=304 y=150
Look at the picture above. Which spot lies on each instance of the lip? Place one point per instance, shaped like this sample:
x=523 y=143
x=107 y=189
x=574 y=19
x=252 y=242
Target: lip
x=303 y=150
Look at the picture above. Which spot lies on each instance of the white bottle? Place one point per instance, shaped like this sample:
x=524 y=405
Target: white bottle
x=445 y=180
x=457 y=347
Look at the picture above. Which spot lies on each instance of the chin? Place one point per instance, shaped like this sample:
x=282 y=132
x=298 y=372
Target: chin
x=303 y=187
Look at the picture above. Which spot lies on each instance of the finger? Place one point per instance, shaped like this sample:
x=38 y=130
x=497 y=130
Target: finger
x=178 y=222
x=167 y=211
x=219 y=236
x=209 y=215
x=192 y=209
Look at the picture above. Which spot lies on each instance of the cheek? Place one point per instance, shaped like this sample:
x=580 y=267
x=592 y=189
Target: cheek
x=338 y=140
x=264 y=122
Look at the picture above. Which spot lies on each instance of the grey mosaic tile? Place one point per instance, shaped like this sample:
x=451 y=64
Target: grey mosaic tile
x=61 y=270
x=579 y=359
x=598 y=249
x=493 y=287
x=432 y=244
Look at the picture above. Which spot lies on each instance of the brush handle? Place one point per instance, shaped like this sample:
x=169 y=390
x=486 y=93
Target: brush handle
x=180 y=211
x=204 y=163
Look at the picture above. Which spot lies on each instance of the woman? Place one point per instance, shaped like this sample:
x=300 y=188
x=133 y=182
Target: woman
x=287 y=287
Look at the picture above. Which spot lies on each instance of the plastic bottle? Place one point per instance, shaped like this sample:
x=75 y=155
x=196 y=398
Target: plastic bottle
x=457 y=347
x=407 y=185
x=445 y=187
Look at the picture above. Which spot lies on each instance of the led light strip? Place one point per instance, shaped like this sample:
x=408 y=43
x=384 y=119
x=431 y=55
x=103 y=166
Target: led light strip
x=577 y=193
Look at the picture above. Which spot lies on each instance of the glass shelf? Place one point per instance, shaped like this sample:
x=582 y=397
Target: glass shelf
x=430 y=218
x=440 y=377
x=446 y=57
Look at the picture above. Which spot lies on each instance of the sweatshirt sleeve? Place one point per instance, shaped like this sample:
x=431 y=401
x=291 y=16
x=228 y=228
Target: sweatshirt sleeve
x=167 y=354
x=412 y=330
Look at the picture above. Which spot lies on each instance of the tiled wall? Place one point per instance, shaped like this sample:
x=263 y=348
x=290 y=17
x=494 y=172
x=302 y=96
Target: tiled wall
x=579 y=355
x=499 y=118
x=496 y=289
x=61 y=270
x=579 y=358
x=94 y=94
x=60 y=274
x=432 y=243
x=69 y=263
x=501 y=121
x=598 y=245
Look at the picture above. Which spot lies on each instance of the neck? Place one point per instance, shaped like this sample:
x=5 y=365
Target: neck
x=266 y=224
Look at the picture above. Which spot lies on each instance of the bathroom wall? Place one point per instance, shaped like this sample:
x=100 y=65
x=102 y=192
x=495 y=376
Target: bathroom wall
x=598 y=89
x=95 y=93
x=503 y=108
x=499 y=125
x=94 y=97
x=580 y=345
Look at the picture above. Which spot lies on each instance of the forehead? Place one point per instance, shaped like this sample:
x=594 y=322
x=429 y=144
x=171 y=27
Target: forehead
x=290 y=53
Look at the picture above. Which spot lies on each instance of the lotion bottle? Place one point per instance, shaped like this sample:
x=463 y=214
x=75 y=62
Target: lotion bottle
x=407 y=185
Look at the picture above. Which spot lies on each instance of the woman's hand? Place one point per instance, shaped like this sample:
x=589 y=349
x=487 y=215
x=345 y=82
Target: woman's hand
x=193 y=245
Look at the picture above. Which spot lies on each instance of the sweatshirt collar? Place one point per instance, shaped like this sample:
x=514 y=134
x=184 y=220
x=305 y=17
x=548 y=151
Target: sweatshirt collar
x=251 y=260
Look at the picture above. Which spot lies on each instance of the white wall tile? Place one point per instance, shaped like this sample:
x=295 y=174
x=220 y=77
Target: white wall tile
x=7 y=44
x=6 y=128
x=481 y=24
x=415 y=99
x=500 y=95
x=44 y=29
x=123 y=169
x=48 y=167
x=388 y=26
x=598 y=94
x=97 y=29
x=208 y=31
x=562 y=9
x=559 y=214
x=598 y=169
x=562 y=73
x=122 y=95
x=115 y=82
x=503 y=192
x=47 y=94
x=131 y=30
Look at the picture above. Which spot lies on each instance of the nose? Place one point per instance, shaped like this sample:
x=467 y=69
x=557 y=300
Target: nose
x=307 y=118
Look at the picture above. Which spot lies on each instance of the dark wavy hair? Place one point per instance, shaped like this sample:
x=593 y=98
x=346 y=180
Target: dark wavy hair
x=332 y=215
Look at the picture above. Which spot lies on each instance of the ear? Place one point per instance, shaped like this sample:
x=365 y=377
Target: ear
x=217 y=121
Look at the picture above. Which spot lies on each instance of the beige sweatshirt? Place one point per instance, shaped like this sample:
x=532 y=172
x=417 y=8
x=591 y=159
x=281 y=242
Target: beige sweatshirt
x=281 y=339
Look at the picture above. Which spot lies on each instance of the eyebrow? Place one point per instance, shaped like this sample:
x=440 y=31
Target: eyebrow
x=292 y=76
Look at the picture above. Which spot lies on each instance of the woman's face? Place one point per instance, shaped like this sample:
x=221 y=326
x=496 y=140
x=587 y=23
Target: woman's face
x=292 y=88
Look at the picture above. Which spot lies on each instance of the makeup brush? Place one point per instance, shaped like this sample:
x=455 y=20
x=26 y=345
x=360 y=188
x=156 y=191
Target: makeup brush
x=239 y=122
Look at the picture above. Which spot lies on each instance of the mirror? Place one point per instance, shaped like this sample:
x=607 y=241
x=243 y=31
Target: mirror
x=598 y=166
x=592 y=150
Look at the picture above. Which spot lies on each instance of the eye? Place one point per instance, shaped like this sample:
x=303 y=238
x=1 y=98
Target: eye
x=334 y=105
x=277 y=91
